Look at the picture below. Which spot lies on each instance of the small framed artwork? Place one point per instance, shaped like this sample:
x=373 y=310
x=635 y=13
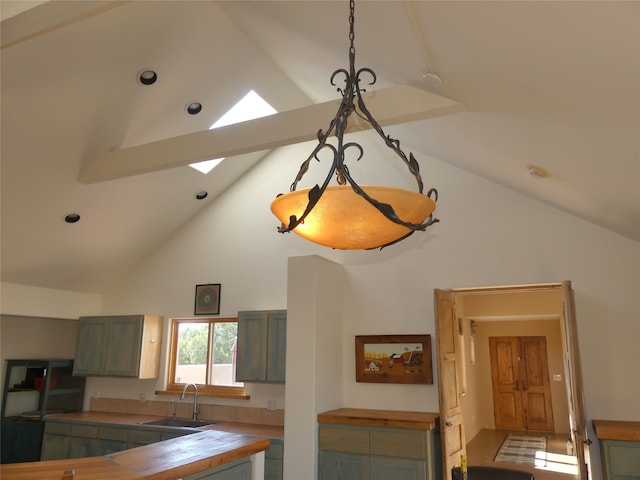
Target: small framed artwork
x=394 y=359
x=207 y=299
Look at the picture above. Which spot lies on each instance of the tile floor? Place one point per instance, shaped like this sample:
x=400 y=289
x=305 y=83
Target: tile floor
x=484 y=446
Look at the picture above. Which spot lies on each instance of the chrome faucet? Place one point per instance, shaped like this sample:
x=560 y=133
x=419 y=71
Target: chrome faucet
x=195 y=398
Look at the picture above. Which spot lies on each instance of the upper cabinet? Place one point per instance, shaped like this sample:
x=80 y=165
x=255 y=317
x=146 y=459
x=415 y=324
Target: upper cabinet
x=262 y=346
x=119 y=346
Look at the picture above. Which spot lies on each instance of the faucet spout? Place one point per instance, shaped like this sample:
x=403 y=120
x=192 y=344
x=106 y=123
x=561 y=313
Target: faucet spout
x=195 y=398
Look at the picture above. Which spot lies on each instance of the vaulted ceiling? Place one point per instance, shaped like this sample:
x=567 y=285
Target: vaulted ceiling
x=552 y=84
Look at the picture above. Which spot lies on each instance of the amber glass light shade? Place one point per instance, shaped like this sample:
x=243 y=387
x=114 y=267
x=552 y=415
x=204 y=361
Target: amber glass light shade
x=344 y=220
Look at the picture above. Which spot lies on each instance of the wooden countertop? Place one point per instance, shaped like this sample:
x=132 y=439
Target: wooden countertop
x=175 y=458
x=93 y=468
x=381 y=418
x=270 y=431
x=617 y=430
x=183 y=456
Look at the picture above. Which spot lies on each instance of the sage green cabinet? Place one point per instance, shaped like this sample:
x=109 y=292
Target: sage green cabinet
x=262 y=346
x=619 y=448
x=239 y=470
x=343 y=466
x=273 y=460
x=64 y=439
x=377 y=453
x=620 y=459
x=119 y=346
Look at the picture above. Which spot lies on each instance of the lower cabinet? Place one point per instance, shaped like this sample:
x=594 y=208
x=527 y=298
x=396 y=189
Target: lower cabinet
x=73 y=440
x=240 y=470
x=377 y=453
x=620 y=459
x=343 y=466
x=273 y=459
x=619 y=448
x=64 y=440
x=21 y=440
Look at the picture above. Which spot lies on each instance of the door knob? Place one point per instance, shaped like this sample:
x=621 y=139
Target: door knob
x=448 y=423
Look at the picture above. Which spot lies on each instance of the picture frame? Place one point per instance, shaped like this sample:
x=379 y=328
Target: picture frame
x=394 y=359
x=207 y=300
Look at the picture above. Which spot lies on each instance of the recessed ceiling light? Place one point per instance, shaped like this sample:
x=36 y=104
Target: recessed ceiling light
x=147 y=77
x=194 y=108
x=538 y=172
x=72 y=218
x=201 y=195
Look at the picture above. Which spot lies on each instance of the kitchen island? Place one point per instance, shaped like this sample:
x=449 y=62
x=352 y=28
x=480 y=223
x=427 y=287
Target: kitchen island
x=170 y=459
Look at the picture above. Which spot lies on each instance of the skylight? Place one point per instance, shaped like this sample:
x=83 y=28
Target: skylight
x=249 y=107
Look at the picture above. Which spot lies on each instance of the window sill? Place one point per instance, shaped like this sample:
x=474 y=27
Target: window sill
x=203 y=393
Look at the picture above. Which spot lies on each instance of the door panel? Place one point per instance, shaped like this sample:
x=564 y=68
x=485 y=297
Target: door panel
x=573 y=373
x=535 y=384
x=520 y=382
x=504 y=355
x=450 y=378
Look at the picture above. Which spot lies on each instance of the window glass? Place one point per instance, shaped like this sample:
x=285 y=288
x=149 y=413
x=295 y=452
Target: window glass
x=203 y=351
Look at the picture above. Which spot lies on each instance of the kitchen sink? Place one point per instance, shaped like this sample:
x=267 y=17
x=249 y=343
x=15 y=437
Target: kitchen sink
x=178 y=422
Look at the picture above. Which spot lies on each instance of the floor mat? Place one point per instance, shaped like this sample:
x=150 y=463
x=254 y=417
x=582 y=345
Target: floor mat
x=521 y=449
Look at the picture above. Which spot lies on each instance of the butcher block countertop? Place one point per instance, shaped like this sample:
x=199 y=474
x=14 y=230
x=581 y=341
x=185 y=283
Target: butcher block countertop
x=617 y=430
x=175 y=458
x=135 y=419
x=380 y=418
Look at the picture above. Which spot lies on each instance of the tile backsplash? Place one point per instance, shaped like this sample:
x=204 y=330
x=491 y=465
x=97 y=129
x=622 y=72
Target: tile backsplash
x=219 y=413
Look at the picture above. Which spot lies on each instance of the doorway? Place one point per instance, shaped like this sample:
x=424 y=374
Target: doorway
x=465 y=396
x=520 y=383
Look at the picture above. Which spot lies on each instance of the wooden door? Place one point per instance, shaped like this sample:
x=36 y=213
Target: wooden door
x=450 y=378
x=505 y=380
x=520 y=382
x=573 y=373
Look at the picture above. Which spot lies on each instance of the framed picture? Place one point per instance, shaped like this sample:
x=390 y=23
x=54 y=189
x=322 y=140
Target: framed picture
x=394 y=359
x=207 y=299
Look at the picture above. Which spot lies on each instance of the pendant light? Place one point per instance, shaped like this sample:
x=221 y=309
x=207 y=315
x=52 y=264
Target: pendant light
x=349 y=216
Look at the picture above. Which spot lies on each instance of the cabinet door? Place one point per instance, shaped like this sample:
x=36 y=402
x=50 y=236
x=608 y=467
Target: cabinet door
x=620 y=459
x=272 y=469
x=90 y=346
x=54 y=447
x=386 y=468
x=80 y=447
x=21 y=440
x=342 y=466
x=124 y=337
x=276 y=346
x=251 y=363
x=239 y=472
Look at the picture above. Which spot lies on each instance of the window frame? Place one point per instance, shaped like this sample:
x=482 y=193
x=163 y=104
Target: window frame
x=224 y=391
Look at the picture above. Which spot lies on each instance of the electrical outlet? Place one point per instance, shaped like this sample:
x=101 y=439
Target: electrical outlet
x=143 y=398
x=271 y=404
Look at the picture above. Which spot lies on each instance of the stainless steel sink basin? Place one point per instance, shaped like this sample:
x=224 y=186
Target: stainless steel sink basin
x=179 y=422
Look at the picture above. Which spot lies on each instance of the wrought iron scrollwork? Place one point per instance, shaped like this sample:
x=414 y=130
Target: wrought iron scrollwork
x=353 y=102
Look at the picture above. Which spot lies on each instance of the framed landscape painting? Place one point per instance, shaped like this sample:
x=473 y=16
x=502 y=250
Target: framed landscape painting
x=394 y=359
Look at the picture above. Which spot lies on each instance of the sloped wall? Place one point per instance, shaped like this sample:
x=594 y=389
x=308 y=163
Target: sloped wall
x=488 y=235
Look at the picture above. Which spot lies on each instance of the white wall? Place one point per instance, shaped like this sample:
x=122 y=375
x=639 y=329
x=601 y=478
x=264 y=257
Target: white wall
x=488 y=235
x=314 y=357
x=40 y=322
x=46 y=302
